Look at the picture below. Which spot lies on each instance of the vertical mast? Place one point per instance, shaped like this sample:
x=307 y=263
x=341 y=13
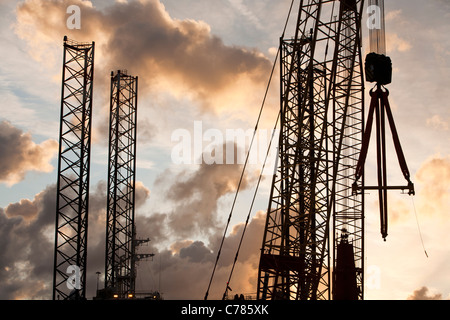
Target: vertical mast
x=348 y=126
x=72 y=202
x=119 y=263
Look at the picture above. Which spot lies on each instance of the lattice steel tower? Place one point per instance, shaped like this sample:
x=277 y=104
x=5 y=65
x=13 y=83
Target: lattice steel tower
x=120 y=245
x=69 y=275
x=320 y=138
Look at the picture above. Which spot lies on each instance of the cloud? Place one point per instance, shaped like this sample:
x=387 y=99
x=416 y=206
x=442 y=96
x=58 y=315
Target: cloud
x=27 y=242
x=45 y=20
x=395 y=43
x=434 y=178
x=181 y=56
x=424 y=294
x=244 y=278
x=180 y=53
x=432 y=186
x=25 y=209
x=394 y=15
x=195 y=197
x=436 y=122
x=142 y=193
x=186 y=236
x=246 y=12
x=443 y=4
x=196 y=252
x=20 y=154
x=182 y=264
x=26 y=251
x=185 y=268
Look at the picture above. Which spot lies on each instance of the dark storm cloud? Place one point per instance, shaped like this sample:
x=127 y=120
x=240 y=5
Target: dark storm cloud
x=185 y=268
x=195 y=197
x=196 y=252
x=19 y=154
x=27 y=242
x=186 y=265
x=97 y=231
x=27 y=251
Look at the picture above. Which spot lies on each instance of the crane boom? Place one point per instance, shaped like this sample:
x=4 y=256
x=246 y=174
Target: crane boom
x=321 y=127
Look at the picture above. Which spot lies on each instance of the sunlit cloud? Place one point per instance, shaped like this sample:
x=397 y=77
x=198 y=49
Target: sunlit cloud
x=395 y=43
x=438 y=123
x=20 y=154
x=424 y=294
x=434 y=178
x=181 y=56
x=187 y=72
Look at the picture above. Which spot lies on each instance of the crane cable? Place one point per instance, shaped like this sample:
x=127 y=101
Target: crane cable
x=251 y=207
x=418 y=227
x=247 y=157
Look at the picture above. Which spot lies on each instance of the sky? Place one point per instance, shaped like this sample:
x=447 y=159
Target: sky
x=207 y=62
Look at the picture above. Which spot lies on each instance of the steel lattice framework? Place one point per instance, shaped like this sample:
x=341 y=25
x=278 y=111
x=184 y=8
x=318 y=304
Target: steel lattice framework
x=73 y=171
x=321 y=89
x=348 y=113
x=119 y=262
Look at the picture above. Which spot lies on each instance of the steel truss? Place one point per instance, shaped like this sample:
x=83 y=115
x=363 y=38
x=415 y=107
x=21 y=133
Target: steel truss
x=320 y=91
x=348 y=112
x=72 y=202
x=120 y=245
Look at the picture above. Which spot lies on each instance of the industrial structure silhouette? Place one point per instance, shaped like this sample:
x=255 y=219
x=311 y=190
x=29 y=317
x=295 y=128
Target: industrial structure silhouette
x=313 y=240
